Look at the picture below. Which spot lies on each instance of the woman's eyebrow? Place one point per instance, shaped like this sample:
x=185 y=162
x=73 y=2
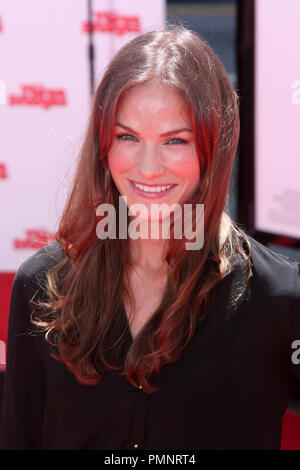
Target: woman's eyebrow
x=175 y=131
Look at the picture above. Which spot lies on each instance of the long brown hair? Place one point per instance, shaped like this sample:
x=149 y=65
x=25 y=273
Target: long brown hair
x=84 y=313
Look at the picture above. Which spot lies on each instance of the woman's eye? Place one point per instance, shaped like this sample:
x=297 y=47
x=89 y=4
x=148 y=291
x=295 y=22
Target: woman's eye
x=177 y=141
x=127 y=137
x=131 y=138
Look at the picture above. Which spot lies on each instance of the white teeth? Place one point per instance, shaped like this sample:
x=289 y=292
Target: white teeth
x=152 y=189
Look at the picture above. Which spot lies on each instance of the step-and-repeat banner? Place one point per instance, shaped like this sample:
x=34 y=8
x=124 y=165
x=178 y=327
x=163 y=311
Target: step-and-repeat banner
x=277 y=117
x=45 y=103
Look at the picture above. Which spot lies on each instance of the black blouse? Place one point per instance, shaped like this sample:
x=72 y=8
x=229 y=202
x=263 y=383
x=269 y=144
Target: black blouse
x=229 y=389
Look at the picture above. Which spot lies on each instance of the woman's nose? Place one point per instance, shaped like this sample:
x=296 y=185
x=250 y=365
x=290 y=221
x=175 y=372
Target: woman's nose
x=149 y=162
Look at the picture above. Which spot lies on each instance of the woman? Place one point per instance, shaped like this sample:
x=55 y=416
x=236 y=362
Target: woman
x=139 y=343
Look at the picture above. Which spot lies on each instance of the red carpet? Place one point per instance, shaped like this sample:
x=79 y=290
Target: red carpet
x=290 y=439
x=291 y=421
x=6 y=281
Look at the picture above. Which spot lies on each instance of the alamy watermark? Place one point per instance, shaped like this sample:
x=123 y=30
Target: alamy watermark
x=145 y=227
x=296 y=354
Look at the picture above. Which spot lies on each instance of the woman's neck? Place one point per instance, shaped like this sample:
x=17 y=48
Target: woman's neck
x=149 y=254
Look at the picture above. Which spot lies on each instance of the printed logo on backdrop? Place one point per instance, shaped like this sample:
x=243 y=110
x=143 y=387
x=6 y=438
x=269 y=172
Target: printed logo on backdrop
x=34 y=239
x=1 y=25
x=38 y=95
x=111 y=22
x=3 y=171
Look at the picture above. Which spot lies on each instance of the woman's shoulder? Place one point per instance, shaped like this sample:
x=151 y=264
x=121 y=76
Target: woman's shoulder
x=29 y=283
x=37 y=265
x=274 y=272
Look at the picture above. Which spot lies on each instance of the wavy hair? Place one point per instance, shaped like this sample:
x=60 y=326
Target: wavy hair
x=84 y=313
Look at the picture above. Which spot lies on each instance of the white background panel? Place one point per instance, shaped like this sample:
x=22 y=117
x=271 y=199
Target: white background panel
x=277 y=117
x=43 y=43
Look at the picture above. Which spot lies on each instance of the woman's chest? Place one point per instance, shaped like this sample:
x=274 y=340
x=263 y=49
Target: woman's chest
x=146 y=295
x=213 y=382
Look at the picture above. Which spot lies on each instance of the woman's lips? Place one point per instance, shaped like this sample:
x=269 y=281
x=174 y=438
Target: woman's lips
x=149 y=195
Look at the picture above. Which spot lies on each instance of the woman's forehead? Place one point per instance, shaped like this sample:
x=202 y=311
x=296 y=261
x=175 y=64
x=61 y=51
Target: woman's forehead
x=151 y=89
x=153 y=101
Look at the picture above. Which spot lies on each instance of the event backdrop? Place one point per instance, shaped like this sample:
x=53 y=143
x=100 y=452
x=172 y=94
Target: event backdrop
x=277 y=117
x=45 y=103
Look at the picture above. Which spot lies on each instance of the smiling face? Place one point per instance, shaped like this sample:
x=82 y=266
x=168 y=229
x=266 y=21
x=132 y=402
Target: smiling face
x=153 y=158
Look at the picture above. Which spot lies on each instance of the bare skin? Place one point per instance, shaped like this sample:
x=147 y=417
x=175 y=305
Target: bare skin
x=146 y=288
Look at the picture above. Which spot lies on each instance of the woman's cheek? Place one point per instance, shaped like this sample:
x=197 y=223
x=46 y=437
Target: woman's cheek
x=184 y=165
x=120 y=161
